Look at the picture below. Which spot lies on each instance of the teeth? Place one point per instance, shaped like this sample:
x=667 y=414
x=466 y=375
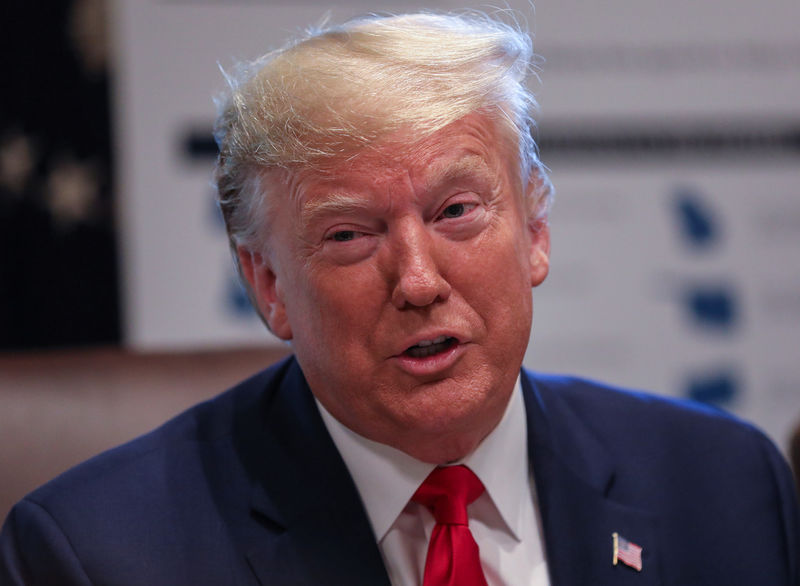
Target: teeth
x=426 y=348
x=425 y=343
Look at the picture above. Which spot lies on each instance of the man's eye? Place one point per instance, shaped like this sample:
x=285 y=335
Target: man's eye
x=454 y=210
x=344 y=236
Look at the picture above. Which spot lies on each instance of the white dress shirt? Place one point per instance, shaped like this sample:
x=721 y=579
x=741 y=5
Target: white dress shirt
x=504 y=520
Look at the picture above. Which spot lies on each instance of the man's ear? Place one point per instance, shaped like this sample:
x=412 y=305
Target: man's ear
x=540 y=250
x=266 y=291
x=537 y=192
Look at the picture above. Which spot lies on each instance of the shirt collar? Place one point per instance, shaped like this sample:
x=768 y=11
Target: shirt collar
x=387 y=478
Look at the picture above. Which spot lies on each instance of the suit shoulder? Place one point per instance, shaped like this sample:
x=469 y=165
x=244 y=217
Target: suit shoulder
x=636 y=418
x=128 y=513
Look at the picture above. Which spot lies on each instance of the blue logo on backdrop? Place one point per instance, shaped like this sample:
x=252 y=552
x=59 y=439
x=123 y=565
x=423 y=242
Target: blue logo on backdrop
x=715 y=388
x=710 y=306
x=697 y=223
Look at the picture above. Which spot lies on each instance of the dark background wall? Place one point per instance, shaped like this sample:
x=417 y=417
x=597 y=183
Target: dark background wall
x=58 y=265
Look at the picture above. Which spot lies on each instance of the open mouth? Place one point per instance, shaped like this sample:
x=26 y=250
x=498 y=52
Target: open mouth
x=426 y=348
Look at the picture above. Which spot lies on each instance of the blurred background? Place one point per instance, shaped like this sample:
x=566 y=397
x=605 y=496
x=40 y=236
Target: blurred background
x=672 y=130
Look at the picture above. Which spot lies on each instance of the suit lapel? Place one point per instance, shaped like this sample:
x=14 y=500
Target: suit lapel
x=316 y=529
x=574 y=478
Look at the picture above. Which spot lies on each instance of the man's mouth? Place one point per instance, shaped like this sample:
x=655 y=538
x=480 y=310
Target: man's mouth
x=426 y=348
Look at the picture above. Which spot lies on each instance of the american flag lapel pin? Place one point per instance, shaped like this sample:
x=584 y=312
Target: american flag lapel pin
x=627 y=552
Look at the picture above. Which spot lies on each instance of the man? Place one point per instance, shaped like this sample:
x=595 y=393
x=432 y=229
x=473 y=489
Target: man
x=388 y=211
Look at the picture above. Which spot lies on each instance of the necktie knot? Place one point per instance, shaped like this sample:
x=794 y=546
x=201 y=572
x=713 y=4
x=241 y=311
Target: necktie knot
x=447 y=491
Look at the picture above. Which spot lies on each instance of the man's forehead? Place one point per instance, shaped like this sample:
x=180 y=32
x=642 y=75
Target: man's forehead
x=423 y=167
x=474 y=134
x=352 y=185
x=426 y=162
x=468 y=149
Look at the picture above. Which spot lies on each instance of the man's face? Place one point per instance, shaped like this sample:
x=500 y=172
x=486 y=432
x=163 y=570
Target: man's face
x=403 y=279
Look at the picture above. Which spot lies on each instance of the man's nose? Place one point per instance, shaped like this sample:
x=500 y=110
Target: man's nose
x=418 y=277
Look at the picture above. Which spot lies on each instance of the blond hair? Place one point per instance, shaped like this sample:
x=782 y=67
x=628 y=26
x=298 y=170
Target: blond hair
x=339 y=90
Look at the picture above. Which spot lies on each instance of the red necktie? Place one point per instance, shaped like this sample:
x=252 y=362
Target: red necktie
x=453 y=558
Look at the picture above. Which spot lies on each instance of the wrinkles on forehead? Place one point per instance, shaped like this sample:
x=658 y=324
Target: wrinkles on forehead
x=318 y=197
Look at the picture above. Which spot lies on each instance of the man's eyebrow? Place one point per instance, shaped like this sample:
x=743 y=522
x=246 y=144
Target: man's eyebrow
x=329 y=205
x=470 y=166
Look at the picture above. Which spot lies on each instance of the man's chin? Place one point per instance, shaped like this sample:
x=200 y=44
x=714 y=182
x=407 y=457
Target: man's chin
x=447 y=428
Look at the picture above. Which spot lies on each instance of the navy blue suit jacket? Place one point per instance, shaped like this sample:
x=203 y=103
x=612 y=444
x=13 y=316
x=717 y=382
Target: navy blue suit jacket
x=249 y=489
